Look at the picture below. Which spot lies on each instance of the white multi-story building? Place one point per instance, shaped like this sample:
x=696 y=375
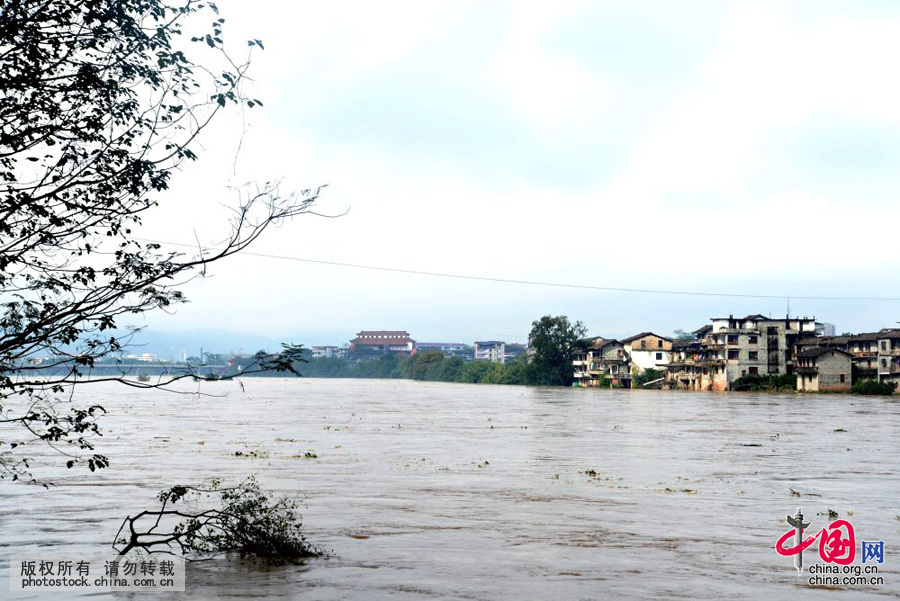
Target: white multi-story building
x=490 y=350
x=329 y=352
x=450 y=349
x=824 y=329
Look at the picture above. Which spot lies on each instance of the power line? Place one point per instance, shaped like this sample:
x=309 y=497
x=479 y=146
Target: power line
x=540 y=283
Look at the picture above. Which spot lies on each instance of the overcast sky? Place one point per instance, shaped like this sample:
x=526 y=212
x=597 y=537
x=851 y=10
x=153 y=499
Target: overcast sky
x=747 y=148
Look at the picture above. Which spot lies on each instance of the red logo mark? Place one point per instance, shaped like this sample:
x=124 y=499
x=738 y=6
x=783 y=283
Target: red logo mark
x=834 y=547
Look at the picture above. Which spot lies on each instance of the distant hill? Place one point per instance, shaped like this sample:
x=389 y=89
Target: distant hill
x=167 y=345
x=173 y=344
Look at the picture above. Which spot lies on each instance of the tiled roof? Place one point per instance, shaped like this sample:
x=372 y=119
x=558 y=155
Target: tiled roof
x=817 y=351
x=684 y=343
x=866 y=337
x=599 y=343
x=383 y=333
x=823 y=341
x=380 y=341
x=642 y=335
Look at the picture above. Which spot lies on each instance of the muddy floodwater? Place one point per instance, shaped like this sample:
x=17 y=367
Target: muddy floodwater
x=451 y=491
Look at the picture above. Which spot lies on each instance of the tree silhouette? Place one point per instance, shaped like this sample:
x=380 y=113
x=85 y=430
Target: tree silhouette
x=100 y=102
x=553 y=341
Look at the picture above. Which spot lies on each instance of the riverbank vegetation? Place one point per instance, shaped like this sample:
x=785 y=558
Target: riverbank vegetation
x=873 y=387
x=765 y=383
x=431 y=367
x=244 y=520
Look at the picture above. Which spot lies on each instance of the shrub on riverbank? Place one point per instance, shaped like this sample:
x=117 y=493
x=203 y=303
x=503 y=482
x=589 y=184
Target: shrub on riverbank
x=873 y=387
x=247 y=521
x=429 y=367
x=765 y=383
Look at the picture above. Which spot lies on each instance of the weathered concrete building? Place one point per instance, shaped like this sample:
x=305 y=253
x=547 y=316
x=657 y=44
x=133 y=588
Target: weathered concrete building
x=730 y=348
x=889 y=356
x=648 y=351
x=604 y=363
x=759 y=345
x=863 y=348
x=822 y=368
x=694 y=366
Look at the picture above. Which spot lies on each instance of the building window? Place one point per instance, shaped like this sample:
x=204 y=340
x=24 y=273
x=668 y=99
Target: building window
x=643 y=344
x=732 y=339
x=735 y=354
x=884 y=345
x=843 y=378
x=754 y=340
x=659 y=344
x=659 y=356
x=754 y=355
x=754 y=371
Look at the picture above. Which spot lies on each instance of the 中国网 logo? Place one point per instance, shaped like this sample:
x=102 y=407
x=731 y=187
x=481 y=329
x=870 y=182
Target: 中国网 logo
x=837 y=546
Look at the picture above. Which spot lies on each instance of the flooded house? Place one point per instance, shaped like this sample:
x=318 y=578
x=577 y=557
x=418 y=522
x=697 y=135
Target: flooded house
x=730 y=348
x=648 y=351
x=823 y=369
x=889 y=356
x=604 y=363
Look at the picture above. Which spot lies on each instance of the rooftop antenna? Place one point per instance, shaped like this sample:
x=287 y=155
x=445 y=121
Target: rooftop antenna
x=789 y=307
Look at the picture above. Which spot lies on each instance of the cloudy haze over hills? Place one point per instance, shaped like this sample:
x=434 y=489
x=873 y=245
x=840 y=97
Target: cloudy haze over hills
x=742 y=148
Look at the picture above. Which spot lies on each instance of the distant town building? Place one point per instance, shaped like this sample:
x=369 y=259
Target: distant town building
x=825 y=329
x=490 y=350
x=513 y=351
x=449 y=349
x=823 y=369
x=329 y=352
x=889 y=356
x=648 y=351
x=374 y=343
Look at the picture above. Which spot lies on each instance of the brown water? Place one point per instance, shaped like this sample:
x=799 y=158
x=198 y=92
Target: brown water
x=449 y=491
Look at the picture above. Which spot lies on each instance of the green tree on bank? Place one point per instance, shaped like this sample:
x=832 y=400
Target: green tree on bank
x=553 y=342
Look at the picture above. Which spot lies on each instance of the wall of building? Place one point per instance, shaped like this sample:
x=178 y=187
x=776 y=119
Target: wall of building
x=807 y=382
x=832 y=366
x=642 y=360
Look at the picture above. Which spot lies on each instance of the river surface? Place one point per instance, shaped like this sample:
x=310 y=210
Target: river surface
x=454 y=491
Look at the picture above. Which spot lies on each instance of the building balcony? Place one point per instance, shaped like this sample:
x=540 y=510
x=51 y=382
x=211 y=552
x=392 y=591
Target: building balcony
x=807 y=370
